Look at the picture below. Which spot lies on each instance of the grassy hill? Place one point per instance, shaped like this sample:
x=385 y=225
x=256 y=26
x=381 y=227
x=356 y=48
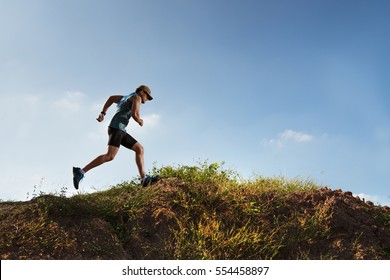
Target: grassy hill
x=198 y=212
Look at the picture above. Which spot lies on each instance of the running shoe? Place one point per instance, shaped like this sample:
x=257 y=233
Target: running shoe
x=149 y=180
x=78 y=175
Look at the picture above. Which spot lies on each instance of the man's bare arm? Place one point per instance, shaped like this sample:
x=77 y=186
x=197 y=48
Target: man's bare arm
x=112 y=99
x=135 y=108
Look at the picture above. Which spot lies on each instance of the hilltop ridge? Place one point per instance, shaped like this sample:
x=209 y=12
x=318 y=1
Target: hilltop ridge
x=201 y=212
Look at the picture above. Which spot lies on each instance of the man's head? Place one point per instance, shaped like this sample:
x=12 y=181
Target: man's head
x=144 y=92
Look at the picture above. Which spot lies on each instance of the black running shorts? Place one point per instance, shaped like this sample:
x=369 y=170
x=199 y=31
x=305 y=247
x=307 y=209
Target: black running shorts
x=117 y=137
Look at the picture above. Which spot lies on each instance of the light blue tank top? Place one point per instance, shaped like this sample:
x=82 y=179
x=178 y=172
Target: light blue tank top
x=123 y=114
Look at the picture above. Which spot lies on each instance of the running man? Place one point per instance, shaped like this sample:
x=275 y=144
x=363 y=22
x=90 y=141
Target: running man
x=127 y=107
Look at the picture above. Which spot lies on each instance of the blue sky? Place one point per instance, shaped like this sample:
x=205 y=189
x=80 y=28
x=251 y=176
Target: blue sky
x=275 y=88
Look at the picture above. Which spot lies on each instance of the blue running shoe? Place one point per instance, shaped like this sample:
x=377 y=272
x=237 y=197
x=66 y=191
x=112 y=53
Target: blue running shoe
x=148 y=180
x=78 y=175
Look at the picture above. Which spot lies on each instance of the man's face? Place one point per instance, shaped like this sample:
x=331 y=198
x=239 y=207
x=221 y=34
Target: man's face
x=144 y=97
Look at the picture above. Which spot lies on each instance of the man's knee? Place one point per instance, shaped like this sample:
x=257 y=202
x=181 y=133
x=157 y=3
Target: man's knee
x=138 y=148
x=109 y=157
x=111 y=153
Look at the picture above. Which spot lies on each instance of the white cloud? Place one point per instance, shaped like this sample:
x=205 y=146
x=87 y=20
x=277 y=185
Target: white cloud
x=21 y=115
x=151 y=120
x=71 y=101
x=373 y=198
x=31 y=100
x=295 y=136
x=273 y=142
x=287 y=136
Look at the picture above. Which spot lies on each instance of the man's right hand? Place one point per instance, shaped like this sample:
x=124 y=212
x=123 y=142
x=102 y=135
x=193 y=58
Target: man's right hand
x=100 y=118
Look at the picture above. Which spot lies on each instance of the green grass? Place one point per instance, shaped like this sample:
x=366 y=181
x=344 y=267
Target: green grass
x=195 y=212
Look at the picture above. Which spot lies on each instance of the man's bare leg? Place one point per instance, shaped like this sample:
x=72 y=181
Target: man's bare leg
x=139 y=159
x=110 y=155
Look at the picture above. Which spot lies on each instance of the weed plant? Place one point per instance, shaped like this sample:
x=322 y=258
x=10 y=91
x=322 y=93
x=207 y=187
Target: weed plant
x=195 y=212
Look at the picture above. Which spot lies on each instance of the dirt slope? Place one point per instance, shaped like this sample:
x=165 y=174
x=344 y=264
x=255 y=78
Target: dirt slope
x=166 y=220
